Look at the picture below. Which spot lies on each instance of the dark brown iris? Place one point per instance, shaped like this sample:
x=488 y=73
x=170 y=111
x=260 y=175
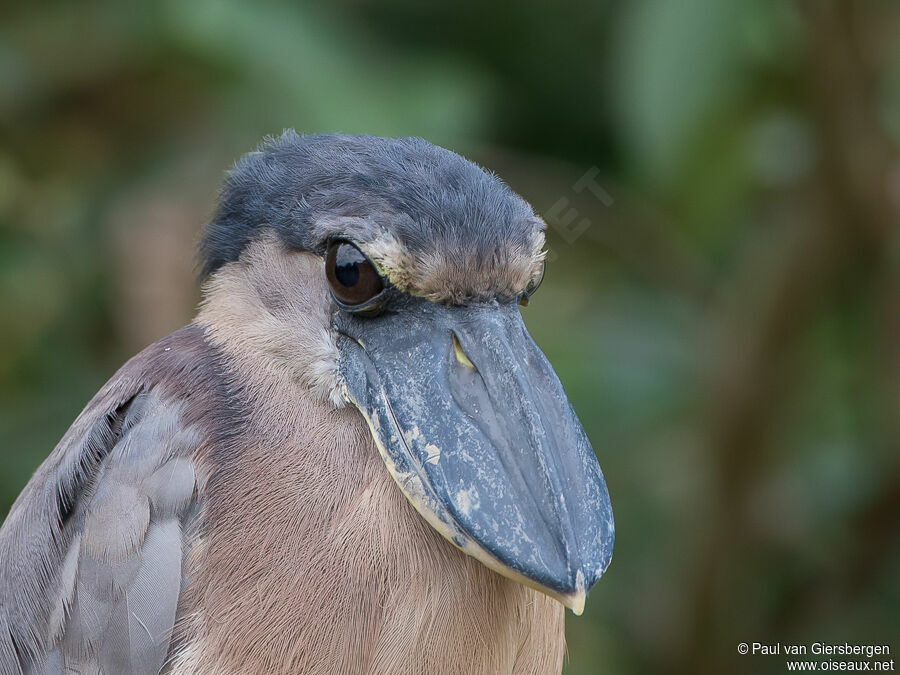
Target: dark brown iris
x=353 y=279
x=532 y=287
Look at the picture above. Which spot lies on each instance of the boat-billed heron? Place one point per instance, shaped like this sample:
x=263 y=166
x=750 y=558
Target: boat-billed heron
x=353 y=460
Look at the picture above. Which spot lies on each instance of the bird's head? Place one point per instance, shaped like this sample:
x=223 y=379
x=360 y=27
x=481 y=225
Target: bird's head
x=390 y=274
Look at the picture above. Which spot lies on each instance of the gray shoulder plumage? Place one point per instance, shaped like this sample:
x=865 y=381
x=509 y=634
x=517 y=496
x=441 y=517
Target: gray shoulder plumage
x=91 y=554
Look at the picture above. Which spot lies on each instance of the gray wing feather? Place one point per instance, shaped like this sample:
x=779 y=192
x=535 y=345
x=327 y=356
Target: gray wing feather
x=91 y=553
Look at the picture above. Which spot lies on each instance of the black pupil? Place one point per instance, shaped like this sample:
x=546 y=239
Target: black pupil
x=346 y=265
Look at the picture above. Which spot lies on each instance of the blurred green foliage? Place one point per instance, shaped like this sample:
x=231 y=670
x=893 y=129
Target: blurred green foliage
x=722 y=186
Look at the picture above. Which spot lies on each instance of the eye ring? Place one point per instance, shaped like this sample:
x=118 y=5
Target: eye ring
x=355 y=283
x=533 y=285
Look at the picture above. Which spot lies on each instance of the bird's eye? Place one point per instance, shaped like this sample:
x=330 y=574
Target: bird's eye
x=354 y=280
x=532 y=286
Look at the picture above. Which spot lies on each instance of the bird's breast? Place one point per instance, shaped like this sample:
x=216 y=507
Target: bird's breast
x=312 y=561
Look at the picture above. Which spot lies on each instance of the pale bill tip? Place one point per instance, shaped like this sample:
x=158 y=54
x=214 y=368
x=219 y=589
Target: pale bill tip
x=575 y=602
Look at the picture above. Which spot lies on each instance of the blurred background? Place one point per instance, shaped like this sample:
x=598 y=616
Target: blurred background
x=721 y=181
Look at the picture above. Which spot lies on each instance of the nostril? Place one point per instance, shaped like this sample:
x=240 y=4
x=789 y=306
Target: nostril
x=460 y=353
